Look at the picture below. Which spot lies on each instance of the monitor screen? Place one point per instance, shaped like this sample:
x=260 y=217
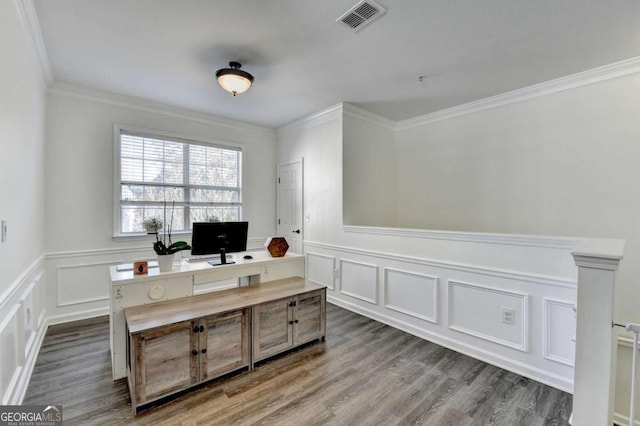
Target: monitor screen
x=210 y=237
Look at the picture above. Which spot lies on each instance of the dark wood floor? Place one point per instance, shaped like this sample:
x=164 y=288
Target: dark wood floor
x=366 y=373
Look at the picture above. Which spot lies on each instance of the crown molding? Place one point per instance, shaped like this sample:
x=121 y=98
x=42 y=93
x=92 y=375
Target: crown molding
x=30 y=23
x=323 y=116
x=368 y=116
x=117 y=99
x=584 y=78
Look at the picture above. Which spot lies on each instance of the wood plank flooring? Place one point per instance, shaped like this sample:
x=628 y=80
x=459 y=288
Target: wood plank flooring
x=366 y=373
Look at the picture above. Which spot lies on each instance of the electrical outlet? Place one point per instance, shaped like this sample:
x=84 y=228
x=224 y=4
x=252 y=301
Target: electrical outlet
x=508 y=316
x=3 y=230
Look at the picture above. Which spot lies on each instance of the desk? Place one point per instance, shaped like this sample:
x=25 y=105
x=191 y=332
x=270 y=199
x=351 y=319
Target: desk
x=128 y=289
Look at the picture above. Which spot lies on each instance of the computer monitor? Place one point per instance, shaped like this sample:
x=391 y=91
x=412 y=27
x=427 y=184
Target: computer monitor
x=210 y=237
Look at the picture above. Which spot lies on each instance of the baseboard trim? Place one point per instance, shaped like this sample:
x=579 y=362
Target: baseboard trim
x=77 y=316
x=536 y=374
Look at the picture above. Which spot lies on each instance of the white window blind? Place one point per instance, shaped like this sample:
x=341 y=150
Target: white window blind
x=198 y=182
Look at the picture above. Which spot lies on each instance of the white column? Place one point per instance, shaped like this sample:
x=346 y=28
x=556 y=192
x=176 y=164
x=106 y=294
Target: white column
x=595 y=363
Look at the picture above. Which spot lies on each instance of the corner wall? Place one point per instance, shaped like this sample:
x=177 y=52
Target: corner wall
x=22 y=115
x=447 y=287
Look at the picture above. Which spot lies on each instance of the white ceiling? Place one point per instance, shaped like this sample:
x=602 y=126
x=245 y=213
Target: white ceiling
x=304 y=61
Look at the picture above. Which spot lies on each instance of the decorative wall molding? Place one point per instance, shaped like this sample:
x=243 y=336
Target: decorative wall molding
x=311 y=269
x=368 y=116
x=31 y=24
x=115 y=99
x=473 y=237
x=314 y=120
x=79 y=301
x=22 y=384
x=548 y=330
x=407 y=311
x=493 y=272
x=97 y=252
x=22 y=330
x=584 y=78
x=10 y=292
x=524 y=311
x=359 y=280
x=255 y=243
x=12 y=364
x=528 y=370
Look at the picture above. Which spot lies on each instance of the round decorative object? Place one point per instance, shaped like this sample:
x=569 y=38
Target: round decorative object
x=165 y=262
x=156 y=292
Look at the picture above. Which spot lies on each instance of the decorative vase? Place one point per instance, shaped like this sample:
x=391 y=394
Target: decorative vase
x=165 y=262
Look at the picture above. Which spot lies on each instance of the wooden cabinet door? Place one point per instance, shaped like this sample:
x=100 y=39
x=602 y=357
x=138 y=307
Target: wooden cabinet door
x=165 y=360
x=272 y=330
x=224 y=343
x=309 y=317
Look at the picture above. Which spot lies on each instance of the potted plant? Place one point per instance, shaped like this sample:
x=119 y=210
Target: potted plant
x=165 y=252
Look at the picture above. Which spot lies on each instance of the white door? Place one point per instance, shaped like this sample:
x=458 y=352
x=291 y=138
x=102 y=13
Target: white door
x=290 y=204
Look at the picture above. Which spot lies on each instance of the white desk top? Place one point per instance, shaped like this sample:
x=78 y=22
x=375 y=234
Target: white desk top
x=187 y=268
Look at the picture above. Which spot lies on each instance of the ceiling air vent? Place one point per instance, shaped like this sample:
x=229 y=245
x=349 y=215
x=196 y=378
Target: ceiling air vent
x=362 y=14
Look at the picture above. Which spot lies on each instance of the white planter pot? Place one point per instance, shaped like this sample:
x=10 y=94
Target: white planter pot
x=165 y=262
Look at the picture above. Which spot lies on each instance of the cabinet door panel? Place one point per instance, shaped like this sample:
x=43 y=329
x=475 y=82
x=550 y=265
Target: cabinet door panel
x=165 y=360
x=309 y=312
x=227 y=344
x=272 y=330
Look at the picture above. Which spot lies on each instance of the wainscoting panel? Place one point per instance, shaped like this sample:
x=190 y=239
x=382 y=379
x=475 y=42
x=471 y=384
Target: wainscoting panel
x=359 y=280
x=478 y=311
x=32 y=313
x=559 y=331
x=22 y=328
x=320 y=269
x=82 y=283
x=12 y=354
x=411 y=293
x=460 y=306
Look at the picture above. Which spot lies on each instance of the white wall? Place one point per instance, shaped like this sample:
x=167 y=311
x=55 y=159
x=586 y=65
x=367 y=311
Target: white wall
x=562 y=164
x=369 y=172
x=79 y=175
x=22 y=94
x=22 y=148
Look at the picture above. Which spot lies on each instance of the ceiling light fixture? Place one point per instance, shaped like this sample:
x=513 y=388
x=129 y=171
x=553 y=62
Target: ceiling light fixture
x=233 y=79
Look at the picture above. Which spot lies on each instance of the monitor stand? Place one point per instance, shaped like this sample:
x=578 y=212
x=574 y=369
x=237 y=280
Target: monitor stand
x=222 y=260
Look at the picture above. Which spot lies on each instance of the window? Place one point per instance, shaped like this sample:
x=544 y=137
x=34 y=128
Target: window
x=192 y=181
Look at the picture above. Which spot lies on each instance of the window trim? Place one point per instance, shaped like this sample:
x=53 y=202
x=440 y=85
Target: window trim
x=139 y=131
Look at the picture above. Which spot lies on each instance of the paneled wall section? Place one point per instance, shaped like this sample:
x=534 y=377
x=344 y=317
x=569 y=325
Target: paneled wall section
x=521 y=322
x=22 y=329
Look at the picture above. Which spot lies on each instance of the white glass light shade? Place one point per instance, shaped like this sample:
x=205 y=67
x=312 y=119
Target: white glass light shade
x=234 y=83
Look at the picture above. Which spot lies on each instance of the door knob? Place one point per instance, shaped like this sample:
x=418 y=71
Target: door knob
x=297 y=231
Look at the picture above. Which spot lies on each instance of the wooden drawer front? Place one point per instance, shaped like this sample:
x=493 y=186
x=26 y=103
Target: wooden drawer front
x=165 y=361
x=272 y=331
x=309 y=313
x=225 y=342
